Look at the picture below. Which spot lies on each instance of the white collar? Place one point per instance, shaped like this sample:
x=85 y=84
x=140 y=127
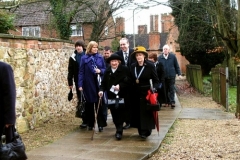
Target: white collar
x=113 y=70
x=165 y=56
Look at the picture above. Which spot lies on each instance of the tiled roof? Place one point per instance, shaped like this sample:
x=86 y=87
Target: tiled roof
x=163 y=39
x=32 y=14
x=140 y=40
x=38 y=13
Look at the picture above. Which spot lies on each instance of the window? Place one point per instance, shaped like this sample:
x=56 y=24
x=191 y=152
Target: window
x=31 y=31
x=106 y=30
x=76 y=30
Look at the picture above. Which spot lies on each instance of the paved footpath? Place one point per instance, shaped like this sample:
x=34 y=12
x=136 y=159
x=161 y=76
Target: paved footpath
x=79 y=146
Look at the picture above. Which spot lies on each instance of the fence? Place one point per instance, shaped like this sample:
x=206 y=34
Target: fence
x=194 y=76
x=220 y=86
x=238 y=93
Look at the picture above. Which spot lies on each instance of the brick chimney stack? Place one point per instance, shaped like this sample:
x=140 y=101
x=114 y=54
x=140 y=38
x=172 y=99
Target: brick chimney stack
x=142 y=29
x=120 y=26
x=167 y=22
x=153 y=23
x=154 y=35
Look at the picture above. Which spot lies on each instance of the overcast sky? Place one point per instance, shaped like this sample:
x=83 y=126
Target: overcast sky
x=142 y=16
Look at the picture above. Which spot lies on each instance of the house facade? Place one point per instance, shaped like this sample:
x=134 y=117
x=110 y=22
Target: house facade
x=155 y=40
x=35 y=20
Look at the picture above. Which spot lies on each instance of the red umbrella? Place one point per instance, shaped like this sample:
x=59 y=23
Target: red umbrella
x=152 y=98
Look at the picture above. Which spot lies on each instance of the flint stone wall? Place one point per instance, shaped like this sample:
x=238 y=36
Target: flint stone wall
x=40 y=70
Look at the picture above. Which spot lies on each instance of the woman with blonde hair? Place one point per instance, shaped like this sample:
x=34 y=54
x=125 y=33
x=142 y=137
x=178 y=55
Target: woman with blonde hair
x=92 y=67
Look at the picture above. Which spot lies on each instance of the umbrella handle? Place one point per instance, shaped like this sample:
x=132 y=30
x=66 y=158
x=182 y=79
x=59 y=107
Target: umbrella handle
x=151 y=85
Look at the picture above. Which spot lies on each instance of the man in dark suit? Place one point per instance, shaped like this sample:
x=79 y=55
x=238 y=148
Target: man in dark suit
x=7 y=100
x=125 y=52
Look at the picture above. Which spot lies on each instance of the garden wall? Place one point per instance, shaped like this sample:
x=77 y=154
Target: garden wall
x=40 y=69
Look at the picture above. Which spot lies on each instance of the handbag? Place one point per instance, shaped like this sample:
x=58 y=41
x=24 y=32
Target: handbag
x=115 y=102
x=153 y=107
x=152 y=102
x=80 y=109
x=14 y=150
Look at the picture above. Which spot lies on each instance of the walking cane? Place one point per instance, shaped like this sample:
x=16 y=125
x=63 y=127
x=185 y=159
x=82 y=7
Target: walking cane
x=96 y=113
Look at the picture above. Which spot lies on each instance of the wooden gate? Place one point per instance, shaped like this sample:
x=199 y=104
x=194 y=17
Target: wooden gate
x=238 y=93
x=194 y=76
x=220 y=86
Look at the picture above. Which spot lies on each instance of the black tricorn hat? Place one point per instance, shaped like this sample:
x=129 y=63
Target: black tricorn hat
x=114 y=57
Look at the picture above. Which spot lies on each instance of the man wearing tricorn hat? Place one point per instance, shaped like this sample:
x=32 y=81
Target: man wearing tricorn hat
x=141 y=72
x=116 y=81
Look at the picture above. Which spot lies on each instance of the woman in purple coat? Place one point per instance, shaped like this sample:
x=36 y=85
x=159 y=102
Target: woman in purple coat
x=92 y=67
x=7 y=100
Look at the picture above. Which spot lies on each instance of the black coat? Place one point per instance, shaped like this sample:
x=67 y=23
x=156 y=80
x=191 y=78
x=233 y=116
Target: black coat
x=131 y=59
x=7 y=96
x=162 y=98
x=121 y=76
x=73 y=69
x=140 y=117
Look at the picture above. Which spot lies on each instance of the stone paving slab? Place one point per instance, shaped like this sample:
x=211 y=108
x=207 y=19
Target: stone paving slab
x=79 y=146
x=204 y=113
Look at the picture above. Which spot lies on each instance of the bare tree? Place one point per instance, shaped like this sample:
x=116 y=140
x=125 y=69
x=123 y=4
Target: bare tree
x=103 y=11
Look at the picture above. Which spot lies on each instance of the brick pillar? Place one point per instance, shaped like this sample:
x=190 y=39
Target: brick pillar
x=154 y=40
x=142 y=29
x=167 y=22
x=153 y=23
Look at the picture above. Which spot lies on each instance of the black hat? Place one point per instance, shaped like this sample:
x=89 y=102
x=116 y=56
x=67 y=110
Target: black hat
x=114 y=57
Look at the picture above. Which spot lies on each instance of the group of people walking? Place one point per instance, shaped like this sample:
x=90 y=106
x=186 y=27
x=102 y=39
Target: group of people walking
x=121 y=82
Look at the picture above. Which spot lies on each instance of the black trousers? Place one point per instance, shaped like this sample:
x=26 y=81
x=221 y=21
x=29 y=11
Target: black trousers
x=170 y=90
x=8 y=132
x=118 y=117
x=90 y=115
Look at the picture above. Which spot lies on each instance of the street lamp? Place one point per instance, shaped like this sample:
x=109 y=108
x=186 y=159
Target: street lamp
x=139 y=7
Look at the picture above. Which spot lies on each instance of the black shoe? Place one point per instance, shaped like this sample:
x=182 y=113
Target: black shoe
x=118 y=136
x=90 y=128
x=100 y=129
x=83 y=125
x=143 y=136
x=126 y=126
x=172 y=106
